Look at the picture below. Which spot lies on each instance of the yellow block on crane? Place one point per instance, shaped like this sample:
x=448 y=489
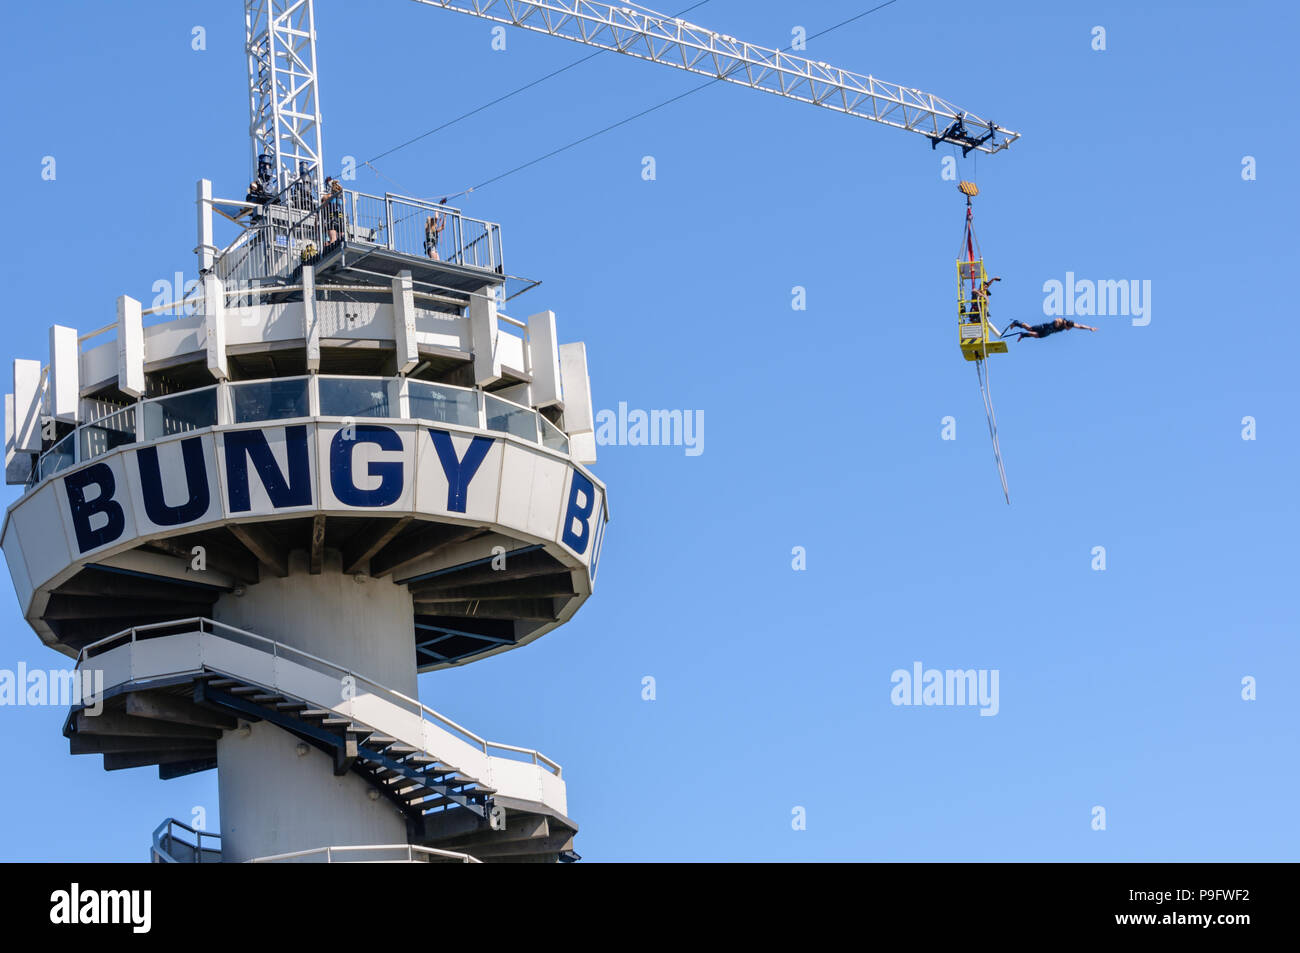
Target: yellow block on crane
x=972 y=312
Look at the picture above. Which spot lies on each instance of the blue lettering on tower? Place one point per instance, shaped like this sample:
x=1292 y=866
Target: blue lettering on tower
x=389 y=473
x=579 y=514
x=459 y=472
x=196 y=483
x=245 y=445
x=99 y=475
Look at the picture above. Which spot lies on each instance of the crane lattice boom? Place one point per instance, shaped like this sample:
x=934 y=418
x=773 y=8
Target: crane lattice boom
x=696 y=49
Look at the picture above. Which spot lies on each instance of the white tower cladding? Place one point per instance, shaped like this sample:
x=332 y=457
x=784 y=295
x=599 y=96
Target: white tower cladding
x=253 y=515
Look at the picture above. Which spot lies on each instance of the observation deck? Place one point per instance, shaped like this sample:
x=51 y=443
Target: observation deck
x=325 y=398
x=355 y=236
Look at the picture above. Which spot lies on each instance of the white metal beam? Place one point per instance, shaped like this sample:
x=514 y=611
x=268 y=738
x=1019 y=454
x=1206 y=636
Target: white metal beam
x=696 y=49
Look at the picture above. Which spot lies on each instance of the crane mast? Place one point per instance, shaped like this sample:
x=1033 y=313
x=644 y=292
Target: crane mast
x=283 y=101
x=696 y=49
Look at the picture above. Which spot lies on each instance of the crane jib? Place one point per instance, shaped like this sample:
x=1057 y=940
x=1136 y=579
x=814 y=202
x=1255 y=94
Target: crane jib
x=671 y=41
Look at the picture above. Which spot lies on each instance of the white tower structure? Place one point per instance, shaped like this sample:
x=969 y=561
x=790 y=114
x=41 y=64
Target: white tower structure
x=253 y=515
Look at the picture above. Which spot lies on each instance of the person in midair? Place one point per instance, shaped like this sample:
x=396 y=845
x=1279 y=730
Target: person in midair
x=1047 y=328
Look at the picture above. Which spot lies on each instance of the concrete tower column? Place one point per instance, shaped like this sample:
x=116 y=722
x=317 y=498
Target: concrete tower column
x=273 y=798
x=362 y=626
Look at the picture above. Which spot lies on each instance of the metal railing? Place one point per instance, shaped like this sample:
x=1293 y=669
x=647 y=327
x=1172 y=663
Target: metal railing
x=168 y=848
x=279 y=650
x=388 y=854
x=285 y=235
x=286 y=398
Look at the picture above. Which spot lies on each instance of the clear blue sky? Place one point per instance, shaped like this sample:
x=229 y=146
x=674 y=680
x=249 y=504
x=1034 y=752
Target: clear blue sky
x=1118 y=688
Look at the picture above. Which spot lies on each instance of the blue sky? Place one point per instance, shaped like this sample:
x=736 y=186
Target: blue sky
x=1119 y=688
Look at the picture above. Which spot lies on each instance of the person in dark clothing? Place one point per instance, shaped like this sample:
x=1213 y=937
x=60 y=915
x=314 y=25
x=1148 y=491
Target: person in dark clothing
x=1050 y=327
x=332 y=206
x=980 y=296
x=433 y=227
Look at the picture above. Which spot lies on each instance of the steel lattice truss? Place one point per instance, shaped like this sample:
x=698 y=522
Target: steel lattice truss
x=696 y=49
x=284 y=112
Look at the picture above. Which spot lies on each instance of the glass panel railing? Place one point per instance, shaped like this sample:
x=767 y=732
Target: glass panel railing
x=108 y=433
x=354 y=397
x=180 y=413
x=506 y=417
x=553 y=438
x=448 y=405
x=269 y=400
x=286 y=398
x=59 y=457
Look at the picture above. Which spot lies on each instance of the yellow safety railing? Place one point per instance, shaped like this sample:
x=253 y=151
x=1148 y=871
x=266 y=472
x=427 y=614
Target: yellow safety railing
x=972 y=312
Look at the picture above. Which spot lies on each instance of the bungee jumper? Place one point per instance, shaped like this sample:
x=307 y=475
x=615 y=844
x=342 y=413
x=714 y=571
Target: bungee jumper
x=1048 y=328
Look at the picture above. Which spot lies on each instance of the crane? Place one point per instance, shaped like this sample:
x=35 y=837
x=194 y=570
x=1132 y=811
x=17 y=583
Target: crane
x=285 y=119
x=677 y=43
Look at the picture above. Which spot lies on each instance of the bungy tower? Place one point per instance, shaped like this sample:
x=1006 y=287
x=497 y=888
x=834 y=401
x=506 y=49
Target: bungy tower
x=255 y=513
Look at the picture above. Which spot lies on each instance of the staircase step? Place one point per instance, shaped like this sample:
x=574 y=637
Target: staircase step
x=264 y=698
x=442 y=775
x=222 y=682
x=453 y=783
x=484 y=791
x=245 y=690
x=436 y=801
x=290 y=706
x=315 y=713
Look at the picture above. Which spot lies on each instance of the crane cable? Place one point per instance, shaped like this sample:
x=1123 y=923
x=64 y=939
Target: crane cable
x=650 y=109
x=500 y=99
x=987 y=393
x=971 y=243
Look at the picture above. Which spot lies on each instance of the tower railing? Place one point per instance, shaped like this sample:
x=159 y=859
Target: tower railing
x=285 y=398
x=170 y=847
x=278 y=650
x=368 y=853
x=298 y=228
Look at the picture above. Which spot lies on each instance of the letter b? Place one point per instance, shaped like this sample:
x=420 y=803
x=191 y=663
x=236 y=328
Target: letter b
x=579 y=514
x=99 y=475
